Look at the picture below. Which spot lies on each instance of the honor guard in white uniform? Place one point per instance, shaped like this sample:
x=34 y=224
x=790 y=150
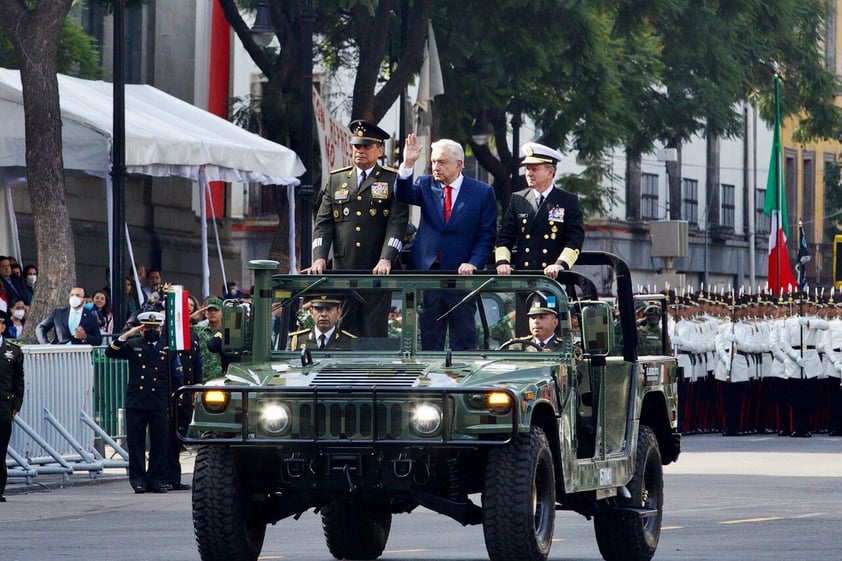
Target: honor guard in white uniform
x=801 y=336
x=833 y=366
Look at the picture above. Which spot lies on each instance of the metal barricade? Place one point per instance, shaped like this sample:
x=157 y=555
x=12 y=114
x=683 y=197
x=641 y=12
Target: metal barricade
x=58 y=379
x=110 y=379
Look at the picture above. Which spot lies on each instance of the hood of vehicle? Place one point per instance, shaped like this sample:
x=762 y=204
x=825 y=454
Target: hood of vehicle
x=367 y=373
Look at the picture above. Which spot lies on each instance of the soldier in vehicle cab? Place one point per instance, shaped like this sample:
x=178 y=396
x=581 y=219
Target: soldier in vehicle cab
x=543 y=325
x=326 y=334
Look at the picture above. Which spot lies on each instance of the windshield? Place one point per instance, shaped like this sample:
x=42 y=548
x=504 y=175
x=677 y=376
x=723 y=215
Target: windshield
x=421 y=313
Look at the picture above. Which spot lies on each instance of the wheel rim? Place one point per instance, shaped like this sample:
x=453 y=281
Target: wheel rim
x=650 y=499
x=543 y=505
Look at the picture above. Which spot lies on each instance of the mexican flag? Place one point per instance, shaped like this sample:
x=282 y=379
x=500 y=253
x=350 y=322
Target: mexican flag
x=178 y=320
x=780 y=274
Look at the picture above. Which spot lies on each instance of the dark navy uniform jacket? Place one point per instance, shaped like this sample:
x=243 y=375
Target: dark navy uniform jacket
x=11 y=378
x=542 y=236
x=150 y=381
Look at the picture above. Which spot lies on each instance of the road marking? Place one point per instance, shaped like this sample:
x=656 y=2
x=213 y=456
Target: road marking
x=422 y=550
x=750 y=520
x=810 y=515
x=672 y=527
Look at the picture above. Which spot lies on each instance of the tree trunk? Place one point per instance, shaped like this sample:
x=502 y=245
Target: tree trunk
x=35 y=33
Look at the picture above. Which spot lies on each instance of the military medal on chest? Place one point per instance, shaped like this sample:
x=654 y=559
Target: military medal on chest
x=342 y=193
x=556 y=214
x=380 y=190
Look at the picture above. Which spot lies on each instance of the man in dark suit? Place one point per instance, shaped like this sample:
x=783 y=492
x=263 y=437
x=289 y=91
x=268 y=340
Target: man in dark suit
x=456 y=233
x=147 y=400
x=326 y=311
x=72 y=325
x=362 y=221
x=11 y=395
x=13 y=284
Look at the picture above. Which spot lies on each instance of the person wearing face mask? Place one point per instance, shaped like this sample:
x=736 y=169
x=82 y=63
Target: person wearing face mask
x=73 y=325
x=16 y=320
x=147 y=399
x=30 y=277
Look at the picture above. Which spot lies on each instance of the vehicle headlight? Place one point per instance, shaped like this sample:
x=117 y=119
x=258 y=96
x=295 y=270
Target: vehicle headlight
x=275 y=418
x=215 y=401
x=426 y=419
x=496 y=402
x=499 y=403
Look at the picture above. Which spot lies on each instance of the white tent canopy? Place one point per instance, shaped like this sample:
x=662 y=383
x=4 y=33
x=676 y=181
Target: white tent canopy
x=165 y=136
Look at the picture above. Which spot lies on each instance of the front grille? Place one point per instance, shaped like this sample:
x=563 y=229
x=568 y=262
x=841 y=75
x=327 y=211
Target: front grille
x=368 y=375
x=351 y=420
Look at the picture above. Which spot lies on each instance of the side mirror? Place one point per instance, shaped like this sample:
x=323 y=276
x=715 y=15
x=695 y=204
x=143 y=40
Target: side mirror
x=597 y=329
x=236 y=324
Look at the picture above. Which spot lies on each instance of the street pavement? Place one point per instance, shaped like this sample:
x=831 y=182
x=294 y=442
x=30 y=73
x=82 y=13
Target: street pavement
x=18 y=485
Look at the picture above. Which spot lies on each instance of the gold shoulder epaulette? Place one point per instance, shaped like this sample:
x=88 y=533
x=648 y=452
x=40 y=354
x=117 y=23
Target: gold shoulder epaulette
x=300 y=332
x=346 y=168
x=351 y=335
x=388 y=168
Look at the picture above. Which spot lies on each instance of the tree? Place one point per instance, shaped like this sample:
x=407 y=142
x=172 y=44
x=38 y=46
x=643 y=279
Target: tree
x=353 y=34
x=34 y=30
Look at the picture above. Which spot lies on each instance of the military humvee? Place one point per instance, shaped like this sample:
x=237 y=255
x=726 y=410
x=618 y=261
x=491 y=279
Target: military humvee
x=500 y=435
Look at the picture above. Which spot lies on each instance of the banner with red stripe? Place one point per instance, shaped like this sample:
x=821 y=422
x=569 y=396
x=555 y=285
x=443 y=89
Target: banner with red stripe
x=178 y=318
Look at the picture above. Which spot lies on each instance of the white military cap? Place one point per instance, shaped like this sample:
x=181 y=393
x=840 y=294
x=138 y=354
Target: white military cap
x=151 y=318
x=534 y=153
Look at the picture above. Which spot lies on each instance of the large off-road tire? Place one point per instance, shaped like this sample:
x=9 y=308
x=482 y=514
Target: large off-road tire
x=356 y=529
x=226 y=528
x=518 y=503
x=625 y=536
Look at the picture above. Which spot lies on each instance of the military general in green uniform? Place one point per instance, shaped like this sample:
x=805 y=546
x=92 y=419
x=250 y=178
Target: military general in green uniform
x=326 y=309
x=361 y=221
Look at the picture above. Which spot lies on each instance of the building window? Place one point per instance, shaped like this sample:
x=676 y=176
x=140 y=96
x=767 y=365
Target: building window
x=649 y=196
x=690 y=201
x=260 y=200
x=728 y=206
x=808 y=185
x=791 y=185
x=761 y=221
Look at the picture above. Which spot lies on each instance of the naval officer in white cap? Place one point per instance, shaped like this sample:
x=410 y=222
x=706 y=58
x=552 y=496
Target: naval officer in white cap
x=543 y=222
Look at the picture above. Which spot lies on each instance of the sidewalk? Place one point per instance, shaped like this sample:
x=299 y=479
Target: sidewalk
x=47 y=481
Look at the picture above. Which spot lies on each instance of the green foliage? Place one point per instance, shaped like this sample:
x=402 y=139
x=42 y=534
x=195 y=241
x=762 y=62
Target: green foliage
x=78 y=54
x=593 y=76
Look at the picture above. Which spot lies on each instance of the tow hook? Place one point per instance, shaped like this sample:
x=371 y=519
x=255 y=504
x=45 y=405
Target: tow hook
x=402 y=466
x=352 y=487
x=294 y=466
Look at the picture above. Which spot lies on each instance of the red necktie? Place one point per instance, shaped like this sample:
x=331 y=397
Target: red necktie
x=448 y=201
